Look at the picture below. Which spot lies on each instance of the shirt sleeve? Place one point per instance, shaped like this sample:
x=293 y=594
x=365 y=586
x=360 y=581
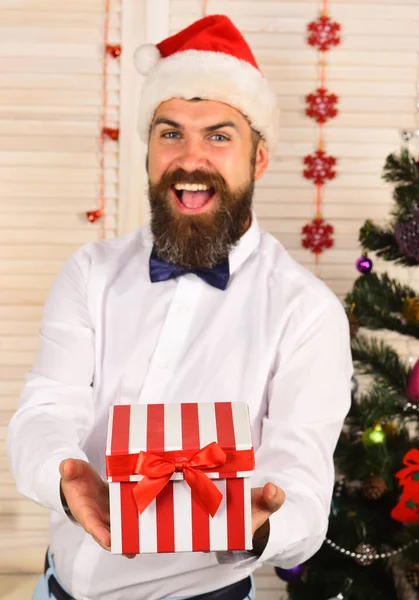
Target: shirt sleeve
x=308 y=399
x=55 y=409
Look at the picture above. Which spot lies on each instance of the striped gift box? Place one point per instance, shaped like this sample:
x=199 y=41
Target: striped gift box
x=175 y=520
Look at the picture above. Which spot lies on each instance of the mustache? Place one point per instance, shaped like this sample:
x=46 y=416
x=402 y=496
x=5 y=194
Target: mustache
x=212 y=180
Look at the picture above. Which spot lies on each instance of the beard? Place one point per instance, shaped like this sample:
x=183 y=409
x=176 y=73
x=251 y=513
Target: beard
x=200 y=240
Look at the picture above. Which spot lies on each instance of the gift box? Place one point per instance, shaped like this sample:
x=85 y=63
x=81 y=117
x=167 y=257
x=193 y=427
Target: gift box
x=179 y=477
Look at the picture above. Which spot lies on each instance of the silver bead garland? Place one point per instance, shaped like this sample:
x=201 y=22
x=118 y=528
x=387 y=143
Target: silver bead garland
x=362 y=557
x=410 y=406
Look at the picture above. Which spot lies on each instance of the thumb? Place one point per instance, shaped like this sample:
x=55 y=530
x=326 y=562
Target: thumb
x=273 y=497
x=72 y=468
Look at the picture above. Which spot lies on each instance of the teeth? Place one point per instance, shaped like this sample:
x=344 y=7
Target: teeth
x=191 y=187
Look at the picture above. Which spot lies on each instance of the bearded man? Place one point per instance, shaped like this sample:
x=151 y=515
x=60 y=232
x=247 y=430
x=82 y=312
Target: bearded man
x=200 y=305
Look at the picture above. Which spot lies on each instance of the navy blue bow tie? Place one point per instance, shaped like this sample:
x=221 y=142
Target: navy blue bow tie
x=160 y=270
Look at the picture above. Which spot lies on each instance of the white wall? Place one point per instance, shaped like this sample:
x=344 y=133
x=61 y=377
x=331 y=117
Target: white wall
x=50 y=103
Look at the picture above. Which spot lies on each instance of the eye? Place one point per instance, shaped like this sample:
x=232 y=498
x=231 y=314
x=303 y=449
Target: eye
x=170 y=135
x=219 y=137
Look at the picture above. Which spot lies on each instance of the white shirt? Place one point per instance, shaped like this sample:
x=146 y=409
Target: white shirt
x=276 y=338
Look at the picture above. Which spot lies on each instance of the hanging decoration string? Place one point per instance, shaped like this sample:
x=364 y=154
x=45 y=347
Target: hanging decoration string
x=109 y=51
x=320 y=106
x=204 y=8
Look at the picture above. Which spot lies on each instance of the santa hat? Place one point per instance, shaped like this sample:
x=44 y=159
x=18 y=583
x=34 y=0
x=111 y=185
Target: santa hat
x=211 y=60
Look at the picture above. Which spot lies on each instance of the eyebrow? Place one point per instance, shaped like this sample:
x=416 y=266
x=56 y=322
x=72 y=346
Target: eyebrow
x=164 y=121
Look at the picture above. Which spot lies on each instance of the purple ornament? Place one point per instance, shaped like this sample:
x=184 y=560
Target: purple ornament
x=293 y=574
x=364 y=264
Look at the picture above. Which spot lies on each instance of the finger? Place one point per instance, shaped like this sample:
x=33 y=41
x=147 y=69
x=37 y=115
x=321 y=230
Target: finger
x=102 y=537
x=130 y=555
x=97 y=529
x=273 y=497
x=71 y=468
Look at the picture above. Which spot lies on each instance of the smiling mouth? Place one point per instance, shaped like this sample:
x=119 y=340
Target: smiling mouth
x=193 y=199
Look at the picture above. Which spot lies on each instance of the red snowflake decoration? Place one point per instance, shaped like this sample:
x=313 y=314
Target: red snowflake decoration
x=110 y=132
x=319 y=167
x=94 y=215
x=323 y=33
x=321 y=105
x=317 y=236
x=113 y=50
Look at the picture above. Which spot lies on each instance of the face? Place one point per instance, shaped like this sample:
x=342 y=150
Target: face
x=202 y=165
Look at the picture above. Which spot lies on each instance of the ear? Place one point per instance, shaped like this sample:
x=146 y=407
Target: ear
x=262 y=160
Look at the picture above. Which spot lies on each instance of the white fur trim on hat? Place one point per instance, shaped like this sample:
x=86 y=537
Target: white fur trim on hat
x=146 y=57
x=211 y=76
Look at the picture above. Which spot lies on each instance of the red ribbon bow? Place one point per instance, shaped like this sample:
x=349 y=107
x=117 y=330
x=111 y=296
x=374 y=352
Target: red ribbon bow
x=411 y=460
x=158 y=471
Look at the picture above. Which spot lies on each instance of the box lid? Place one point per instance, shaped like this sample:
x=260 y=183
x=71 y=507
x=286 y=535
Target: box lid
x=181 y=427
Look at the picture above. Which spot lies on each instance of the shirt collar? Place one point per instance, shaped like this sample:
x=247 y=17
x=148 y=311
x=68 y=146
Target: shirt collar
x=248 y=242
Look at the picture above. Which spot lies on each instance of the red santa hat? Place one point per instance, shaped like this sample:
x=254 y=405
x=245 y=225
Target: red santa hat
x=211 y=60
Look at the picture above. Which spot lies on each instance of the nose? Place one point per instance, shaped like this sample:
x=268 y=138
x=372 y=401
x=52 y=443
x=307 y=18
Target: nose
x=192 y=156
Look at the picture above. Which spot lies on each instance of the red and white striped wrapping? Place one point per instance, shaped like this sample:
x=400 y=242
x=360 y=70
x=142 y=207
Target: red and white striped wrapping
x=174 y=521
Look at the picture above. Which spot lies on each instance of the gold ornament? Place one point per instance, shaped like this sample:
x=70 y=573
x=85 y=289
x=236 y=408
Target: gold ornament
x=353 y=325
x=353 y=322
x=411 y=310
x=365 y=554
x=390 y=429
x=373 y=436
x=374 y=488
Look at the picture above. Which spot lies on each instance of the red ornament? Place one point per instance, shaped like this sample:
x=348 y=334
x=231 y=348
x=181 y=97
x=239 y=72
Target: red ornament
x=407 y=510
x=113 y=51
x=317 y=235
x=111 y=133
x=319 y=167
x=323 y=33
x=413 y=384
x=321 y=105
x=94 y=215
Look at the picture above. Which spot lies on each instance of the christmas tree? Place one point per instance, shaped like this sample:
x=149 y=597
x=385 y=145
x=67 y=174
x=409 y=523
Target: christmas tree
x=372 y=547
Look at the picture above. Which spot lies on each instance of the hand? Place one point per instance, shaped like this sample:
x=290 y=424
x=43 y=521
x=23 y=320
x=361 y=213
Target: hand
x=265 y=501
x=87 y=496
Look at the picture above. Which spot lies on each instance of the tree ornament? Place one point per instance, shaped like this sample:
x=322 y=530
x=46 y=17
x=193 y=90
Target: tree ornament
x=319 y=167
x=114 y=50
x=373 y=436
x=413 y=384
x=94 y=215
x=112 y=133
x=364 y=264
x=323 y=33
x=390 y=429
x=338 y=597
x=406 y=135
x=321 y=105
x=365 y=554
x=407 y=510
x=317 y=235
x=353 y=325
x=407 y=237
x=293 y=574
x=412 y=575
x=374 y=488
x=411 y=310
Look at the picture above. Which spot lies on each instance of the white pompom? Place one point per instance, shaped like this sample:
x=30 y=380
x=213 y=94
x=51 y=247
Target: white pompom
x=146 y=57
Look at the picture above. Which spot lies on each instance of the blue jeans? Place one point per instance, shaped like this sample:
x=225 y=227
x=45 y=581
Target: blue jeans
x=41 y=589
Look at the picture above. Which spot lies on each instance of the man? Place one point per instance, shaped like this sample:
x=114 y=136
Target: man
x=200 y=306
